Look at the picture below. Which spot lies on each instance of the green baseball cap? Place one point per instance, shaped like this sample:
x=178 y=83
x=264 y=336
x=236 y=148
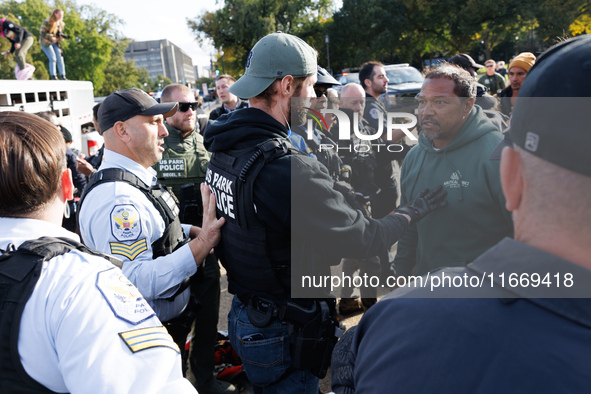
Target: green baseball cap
x=274 y=56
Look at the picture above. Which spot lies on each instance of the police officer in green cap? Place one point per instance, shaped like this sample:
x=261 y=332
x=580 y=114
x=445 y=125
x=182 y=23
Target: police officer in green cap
x=284 y=220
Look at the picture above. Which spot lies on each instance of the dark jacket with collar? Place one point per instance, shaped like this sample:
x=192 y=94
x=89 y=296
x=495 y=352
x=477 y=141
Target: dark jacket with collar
x=486 y=339
x=221 y=110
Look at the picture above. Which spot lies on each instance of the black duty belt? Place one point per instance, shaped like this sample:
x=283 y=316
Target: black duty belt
x=312 y=330
x=261 y=310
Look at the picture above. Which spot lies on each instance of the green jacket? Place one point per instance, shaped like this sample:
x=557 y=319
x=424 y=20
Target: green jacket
x=475 y=218
x=494 y=83
x=184 y=161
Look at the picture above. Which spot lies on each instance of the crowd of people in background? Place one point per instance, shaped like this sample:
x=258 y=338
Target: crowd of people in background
x=260 y=186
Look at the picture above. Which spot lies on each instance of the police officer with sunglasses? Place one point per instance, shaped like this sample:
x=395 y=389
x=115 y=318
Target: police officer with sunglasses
x=182 y=168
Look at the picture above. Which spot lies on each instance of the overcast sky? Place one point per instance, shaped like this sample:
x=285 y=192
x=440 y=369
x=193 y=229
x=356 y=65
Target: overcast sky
x=155 y=20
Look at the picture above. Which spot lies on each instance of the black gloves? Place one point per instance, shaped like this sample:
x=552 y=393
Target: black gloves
x=424 y=203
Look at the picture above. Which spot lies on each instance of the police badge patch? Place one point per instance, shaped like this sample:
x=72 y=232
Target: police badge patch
x=125 y=300
x=125 y=223
x=374 y=113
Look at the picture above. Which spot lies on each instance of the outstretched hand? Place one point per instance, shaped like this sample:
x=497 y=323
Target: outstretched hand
x=210 y=230
x=424 y=203
x=82 y=166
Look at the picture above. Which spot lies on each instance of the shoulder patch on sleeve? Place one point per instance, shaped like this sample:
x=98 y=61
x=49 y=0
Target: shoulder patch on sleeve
x=125 y=223
x=125 y=300
x=146 y=338
x=374 y=113
x=129 y=251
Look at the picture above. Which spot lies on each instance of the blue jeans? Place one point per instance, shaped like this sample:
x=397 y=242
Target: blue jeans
x=265 y=355
x=54 y=54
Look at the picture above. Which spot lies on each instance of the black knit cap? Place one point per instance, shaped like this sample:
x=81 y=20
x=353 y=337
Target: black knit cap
x=552 y=114
x=125 y=104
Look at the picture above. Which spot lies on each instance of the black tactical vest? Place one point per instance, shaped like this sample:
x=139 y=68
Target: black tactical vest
x=256 y=262
x=19 y=272
x=174 y=237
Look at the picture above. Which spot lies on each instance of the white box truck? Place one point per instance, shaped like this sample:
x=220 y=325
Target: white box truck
x=71 y=101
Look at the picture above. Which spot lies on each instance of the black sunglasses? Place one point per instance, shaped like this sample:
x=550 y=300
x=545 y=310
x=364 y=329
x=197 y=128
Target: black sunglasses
x=184 y=107
x=319 y=92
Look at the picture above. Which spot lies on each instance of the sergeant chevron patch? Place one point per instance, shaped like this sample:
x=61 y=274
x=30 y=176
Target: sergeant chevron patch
x=146 y=338
x=129 y=251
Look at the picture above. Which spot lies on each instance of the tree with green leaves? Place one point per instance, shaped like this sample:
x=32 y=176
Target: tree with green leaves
x=145 y=82
x=239 y=24
x=161 y=81
x=119 y=73
x=93 y=36
x=409 y=30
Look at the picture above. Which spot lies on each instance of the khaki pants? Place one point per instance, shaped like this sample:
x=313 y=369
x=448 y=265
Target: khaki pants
x=21 y=53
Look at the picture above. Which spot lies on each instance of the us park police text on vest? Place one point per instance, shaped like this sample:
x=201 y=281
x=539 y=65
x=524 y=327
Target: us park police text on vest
x=222 y=187
x=345 y=133
x=177 y=165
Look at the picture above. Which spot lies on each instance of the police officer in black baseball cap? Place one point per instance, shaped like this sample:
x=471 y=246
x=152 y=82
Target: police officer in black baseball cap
x=126 y=213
